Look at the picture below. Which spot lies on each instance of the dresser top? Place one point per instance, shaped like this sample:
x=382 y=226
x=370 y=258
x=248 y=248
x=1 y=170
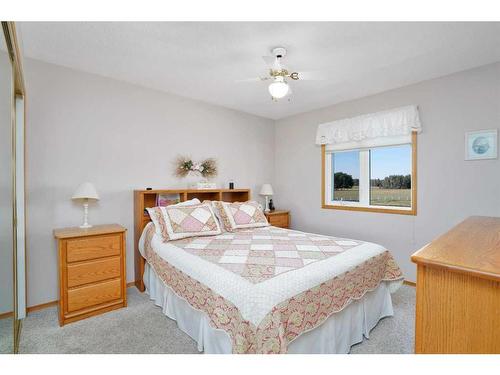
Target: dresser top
x=94 y=230
x=472 y=247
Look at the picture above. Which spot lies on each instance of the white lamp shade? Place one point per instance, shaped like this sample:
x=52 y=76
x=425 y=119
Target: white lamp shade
x=85 y=191
x=266 y=189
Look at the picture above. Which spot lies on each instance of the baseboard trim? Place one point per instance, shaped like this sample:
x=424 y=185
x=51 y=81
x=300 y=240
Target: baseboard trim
x=6 y=315
x=41 y=306
x=409 y=283
x=132 y=283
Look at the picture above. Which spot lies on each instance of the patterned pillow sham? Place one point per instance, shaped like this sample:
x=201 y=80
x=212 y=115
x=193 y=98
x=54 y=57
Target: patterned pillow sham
x=217 y=214
x=241 y=215
x=176 y=222
x=190 y=202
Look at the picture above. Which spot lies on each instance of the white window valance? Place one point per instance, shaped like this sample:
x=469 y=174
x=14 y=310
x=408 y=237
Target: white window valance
x=372 y=130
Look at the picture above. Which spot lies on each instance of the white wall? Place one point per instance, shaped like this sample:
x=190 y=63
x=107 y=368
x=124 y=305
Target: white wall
x=449 y=188
x=121 y=137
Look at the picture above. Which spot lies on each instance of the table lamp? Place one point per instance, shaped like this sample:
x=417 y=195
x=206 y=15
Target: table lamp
x=85 y=192
x=267 y=191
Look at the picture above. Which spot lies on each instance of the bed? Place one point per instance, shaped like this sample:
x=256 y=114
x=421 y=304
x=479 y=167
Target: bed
x=269 y=289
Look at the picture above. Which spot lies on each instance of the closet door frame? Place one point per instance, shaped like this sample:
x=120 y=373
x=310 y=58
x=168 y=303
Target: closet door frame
x=18 y=96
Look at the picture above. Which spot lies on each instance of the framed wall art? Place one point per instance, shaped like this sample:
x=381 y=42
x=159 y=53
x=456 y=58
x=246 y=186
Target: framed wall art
x=481 y=144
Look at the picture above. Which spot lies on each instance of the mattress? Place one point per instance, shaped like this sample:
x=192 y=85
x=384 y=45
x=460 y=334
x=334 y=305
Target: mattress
x=264 y=307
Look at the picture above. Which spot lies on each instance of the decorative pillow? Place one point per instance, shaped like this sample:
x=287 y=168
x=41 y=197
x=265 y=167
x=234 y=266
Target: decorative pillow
x=190 y=202
x=175 y=222
x=217 y=214
x=241 y=215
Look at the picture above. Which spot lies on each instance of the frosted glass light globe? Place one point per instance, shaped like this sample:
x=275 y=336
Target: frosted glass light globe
x=278 y=89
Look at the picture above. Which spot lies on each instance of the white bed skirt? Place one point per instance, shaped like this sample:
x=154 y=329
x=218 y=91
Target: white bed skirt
x=336 y=335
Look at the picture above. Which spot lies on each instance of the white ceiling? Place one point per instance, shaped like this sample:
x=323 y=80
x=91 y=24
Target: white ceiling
x=202 y=60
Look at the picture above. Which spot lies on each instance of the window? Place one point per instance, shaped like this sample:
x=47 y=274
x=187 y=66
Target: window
x=390 y=176
x=345 y=166
x=380 y=179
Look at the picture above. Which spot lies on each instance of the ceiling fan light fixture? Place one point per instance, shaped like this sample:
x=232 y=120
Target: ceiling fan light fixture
x=279 y=88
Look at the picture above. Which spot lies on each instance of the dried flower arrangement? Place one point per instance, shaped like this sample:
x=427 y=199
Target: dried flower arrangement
x=184 y=165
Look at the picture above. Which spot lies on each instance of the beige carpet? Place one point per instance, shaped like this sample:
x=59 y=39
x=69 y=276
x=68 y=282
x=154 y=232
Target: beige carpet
x=142 y=328
x=7 y=335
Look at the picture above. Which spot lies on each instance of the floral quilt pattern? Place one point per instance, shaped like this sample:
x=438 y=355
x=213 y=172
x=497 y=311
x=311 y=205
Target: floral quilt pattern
x=262 y=253
x=288 y=319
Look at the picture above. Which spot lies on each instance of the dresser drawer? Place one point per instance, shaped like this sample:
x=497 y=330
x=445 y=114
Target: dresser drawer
x=92 y=247
x=95 y=294
x=93 y=271
x=279 y=221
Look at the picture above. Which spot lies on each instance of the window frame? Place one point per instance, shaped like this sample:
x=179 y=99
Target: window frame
x=365 y=206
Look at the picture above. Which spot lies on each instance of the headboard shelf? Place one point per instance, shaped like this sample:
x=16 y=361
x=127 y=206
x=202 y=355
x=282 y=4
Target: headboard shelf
x=147 y=198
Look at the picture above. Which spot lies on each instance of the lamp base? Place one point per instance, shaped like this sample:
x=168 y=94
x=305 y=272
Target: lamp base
x=266 y=209
x=86 y=224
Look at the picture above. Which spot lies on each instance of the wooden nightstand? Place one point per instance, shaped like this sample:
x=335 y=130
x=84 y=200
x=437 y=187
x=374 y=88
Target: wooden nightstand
x=91 y=271
x=278 y=218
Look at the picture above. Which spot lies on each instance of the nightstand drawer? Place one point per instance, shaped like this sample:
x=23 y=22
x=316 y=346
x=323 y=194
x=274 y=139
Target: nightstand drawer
x=279 y=221
x=93 y=271
x=95 y=294
x=92 y=247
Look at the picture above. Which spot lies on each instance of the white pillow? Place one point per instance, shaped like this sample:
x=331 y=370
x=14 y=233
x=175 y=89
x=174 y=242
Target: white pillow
x=190 y=202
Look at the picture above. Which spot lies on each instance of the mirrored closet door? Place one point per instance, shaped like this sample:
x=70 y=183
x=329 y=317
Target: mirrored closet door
x=12 y=222
x=6 y=198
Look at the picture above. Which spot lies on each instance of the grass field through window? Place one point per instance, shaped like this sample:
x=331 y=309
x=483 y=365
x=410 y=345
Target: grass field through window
x=378 y=196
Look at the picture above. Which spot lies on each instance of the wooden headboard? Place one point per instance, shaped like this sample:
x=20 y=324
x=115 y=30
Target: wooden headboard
x=147 y=198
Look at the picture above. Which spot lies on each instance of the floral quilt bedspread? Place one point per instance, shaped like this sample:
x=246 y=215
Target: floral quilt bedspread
x=259 y=255
x=262 y=253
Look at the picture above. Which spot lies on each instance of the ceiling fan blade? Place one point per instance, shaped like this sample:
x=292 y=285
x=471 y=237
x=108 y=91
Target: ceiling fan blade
x=256 y=79
x=308 y=76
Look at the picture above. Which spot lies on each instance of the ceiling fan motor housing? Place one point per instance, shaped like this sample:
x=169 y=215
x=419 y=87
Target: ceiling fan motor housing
x=279 y=52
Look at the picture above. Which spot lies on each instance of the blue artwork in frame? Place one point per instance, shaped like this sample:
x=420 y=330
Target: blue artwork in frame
x=481 y=144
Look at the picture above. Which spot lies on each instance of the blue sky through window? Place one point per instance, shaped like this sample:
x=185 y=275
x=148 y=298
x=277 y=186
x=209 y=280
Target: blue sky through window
x=385 y=161
x=347 y=162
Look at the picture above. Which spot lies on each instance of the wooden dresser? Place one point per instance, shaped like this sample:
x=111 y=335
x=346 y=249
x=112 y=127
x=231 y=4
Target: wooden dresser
x=278 y=218
x=458 y=290
x=91 y=271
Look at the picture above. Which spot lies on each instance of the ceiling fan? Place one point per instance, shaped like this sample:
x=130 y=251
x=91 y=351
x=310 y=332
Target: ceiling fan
x=279 y=75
